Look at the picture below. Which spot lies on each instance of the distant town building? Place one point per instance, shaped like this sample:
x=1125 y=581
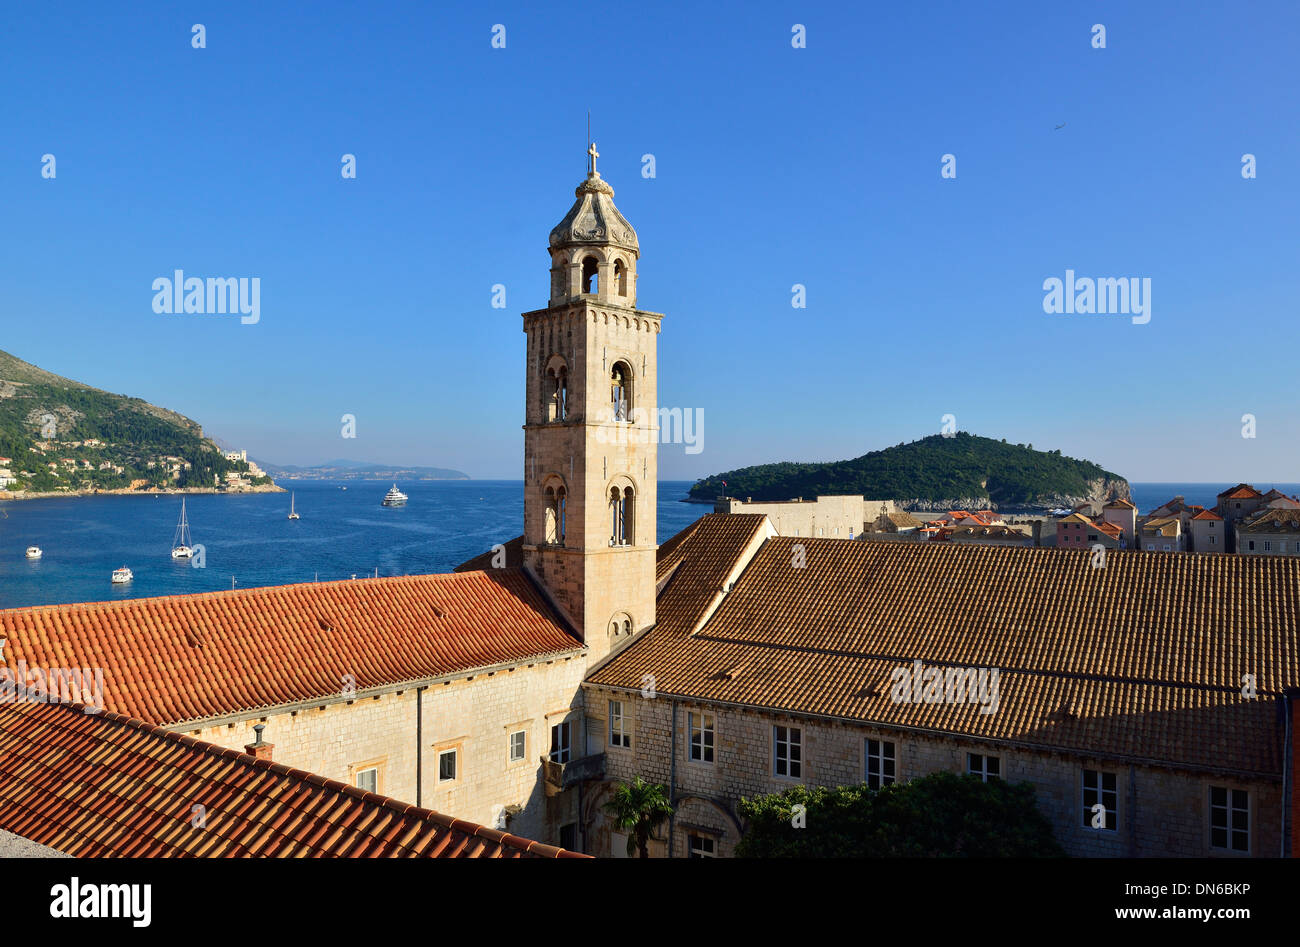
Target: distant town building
x=1207 y=533
x=1270 y=532
x=998 y=534
x=830 y=517
x=1275 y=499
x=901 y=523
x=1162 y=534
x=1077 y=531
x=1122 y=514
x=1235 y=505
x=237 y=455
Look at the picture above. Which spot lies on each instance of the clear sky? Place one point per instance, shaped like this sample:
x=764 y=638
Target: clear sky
x=774 y=166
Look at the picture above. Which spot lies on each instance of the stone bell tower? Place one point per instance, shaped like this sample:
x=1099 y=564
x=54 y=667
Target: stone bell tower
x=591 y=426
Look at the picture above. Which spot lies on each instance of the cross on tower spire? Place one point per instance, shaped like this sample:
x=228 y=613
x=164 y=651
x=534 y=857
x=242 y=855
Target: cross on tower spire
x=591 y=150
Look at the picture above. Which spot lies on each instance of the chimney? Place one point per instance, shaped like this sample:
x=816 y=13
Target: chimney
x=260 y=750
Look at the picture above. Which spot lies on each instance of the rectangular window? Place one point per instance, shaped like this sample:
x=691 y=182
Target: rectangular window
x=1213 y=540
x=446 y=765
x=1229 y=819
x=560 y=742
x=569 y=836
x=1268 y=547
x=618 y=735
x=788 y=751
x=701 y=737
x=703 y=847
x=985 y=767
x=880 y=763
x=368 y=779
x=518 y=744
x=1099 y=790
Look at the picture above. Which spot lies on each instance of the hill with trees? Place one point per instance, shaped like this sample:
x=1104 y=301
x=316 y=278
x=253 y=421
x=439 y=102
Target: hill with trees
x=960 y=468
x=57 y=434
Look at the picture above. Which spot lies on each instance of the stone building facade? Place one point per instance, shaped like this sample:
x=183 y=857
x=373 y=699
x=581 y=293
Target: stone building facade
x=837 y=517
x=394 y=740
x=1158 y=810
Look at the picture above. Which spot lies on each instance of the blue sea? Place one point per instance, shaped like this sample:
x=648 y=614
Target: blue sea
x=249 y=540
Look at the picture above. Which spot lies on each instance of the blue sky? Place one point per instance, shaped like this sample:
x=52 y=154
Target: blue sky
x=775 y=166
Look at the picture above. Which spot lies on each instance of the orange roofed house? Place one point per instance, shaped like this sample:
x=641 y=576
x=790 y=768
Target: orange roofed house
x=726 y=662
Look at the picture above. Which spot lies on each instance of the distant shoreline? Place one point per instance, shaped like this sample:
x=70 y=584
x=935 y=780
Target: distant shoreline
x=128 y=492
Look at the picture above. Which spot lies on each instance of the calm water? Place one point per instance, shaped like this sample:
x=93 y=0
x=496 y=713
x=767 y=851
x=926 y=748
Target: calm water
x=249 y=538
x=341 y=533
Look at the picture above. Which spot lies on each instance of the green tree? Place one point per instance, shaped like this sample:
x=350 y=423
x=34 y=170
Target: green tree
x=639 y=808
x=942 y=815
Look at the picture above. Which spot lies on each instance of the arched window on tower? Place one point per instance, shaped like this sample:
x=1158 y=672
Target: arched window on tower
x=620 y=277
x=555 y=514
x=620 y=391
x=590 y=276
x=622 y=508
x=620 y=626
x=557 y=393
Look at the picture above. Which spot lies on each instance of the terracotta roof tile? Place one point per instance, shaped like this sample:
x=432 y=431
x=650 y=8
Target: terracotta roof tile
x=96 y=785
x=1272 y=521
x=190 y=657
x=1153 y=648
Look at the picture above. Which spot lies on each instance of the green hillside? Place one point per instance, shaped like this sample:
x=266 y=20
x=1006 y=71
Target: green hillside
x=934 y=468
x=57 y=433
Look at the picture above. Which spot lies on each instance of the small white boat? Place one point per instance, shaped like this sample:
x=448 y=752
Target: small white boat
x=395 y=497
x=34 y=552
x=182 y=544
x=122 y=575
x=293 y=513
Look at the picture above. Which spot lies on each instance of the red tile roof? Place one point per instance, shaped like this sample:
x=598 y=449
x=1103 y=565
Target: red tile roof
x=103 y=785
x=1149 y=651
x=191 y=657
x=1242 y=491
x=1207 y=515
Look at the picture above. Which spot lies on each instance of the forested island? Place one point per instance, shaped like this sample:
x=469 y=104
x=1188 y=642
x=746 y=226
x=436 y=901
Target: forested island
x=933 y=471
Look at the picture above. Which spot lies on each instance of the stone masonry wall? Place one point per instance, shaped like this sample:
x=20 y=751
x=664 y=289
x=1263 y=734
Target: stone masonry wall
x=1162 y=812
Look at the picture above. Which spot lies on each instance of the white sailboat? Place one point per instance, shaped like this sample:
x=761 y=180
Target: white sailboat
x=182 y=544
x=293 y=514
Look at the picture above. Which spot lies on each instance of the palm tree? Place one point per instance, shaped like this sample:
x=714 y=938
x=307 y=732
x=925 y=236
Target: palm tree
x=639 y=808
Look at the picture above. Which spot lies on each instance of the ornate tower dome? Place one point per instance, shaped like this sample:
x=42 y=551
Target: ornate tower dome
x=594 y=249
